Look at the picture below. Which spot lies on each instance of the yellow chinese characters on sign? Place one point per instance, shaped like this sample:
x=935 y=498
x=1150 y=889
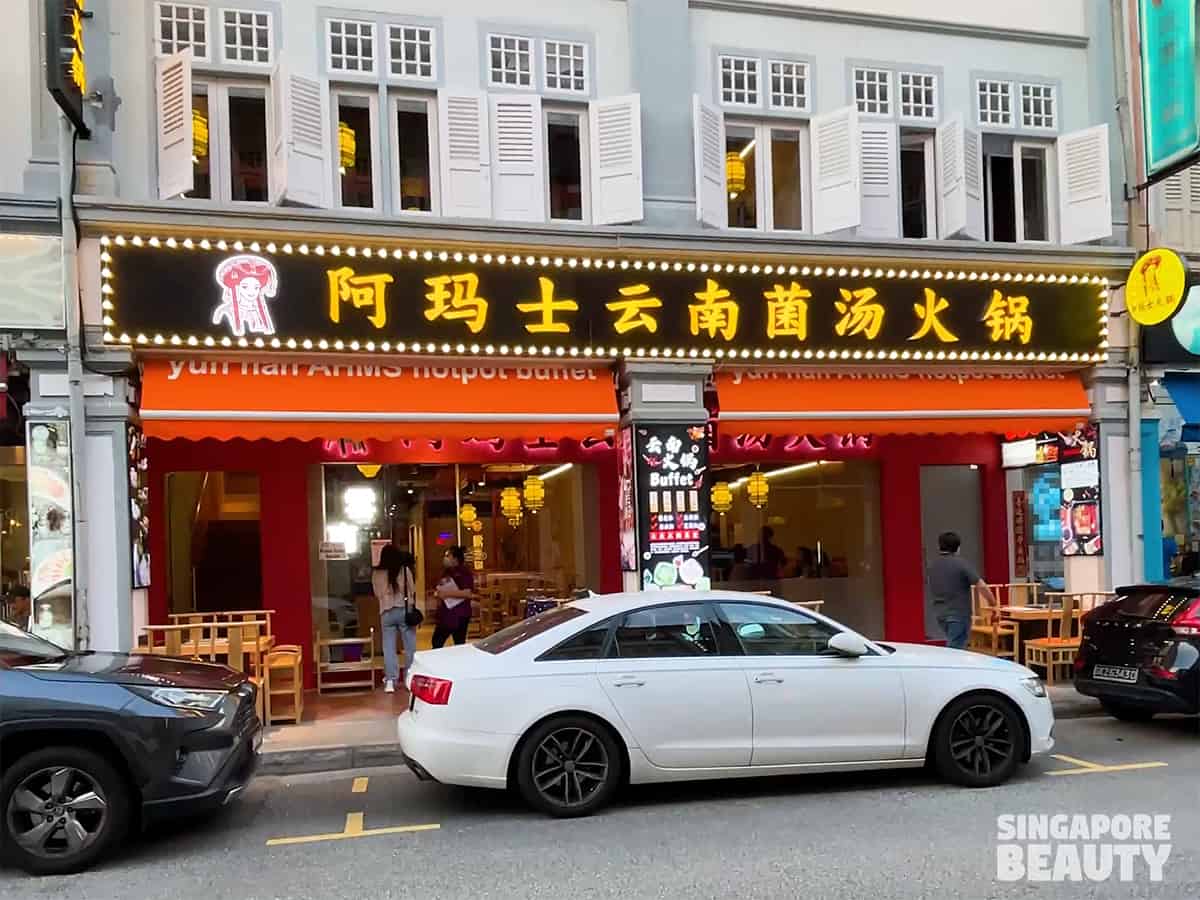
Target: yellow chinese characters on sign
x=361 y=291
x=547 y=307
x=1156 y=286
x=456 y=298
x=78 y=68
x=716 y=313
x=787 y=311
x=928 y=313
x=634 y=308
x=860 y=314
x=1008 y=318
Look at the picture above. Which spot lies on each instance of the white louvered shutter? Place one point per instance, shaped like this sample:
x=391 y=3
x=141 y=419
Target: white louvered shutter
x=708 y=136
x=837 y=194
x=1191 y=237
x=1084 y=192
x=959 y=181
x=173 y=105
x=518 y=159
x=301 y=174
x=1174 y=196
x=879 y=156
x=465 y=154
x=973 y=184
x=615 y=129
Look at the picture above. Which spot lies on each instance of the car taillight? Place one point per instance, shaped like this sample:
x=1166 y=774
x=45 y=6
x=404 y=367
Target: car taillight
x=1187 y=621
x=435 y=691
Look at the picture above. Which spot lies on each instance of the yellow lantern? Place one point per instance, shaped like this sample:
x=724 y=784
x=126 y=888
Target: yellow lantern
x=722 y=497
x=368 y=471
x=735 y=173
x=535 y=493
x=510 y=505
x=757 y=489
x=199 y=134
x=347 y=145
x=468 y=514
x=477 y=527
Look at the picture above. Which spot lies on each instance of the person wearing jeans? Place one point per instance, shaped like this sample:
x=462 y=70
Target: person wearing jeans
x=951 y=579
x=393 y=585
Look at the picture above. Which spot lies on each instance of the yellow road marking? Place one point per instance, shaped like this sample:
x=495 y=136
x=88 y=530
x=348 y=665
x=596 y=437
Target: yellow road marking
x=359 y=786
x=1092 y=770
x=354 y=823
x=348 y=834
x=1082 y=763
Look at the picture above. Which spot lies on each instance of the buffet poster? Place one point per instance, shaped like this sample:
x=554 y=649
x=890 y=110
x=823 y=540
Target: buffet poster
x=1080 y=510
x=51 y=551
x=671 y=463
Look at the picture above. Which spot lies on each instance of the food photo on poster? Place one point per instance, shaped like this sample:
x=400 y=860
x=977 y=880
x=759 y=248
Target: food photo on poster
x=673 y=506
x=52 y=560
x=1081 y=508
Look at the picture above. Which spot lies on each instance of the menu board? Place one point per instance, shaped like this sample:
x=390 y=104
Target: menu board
x=1080 y=509
x=628 y=503
x=670 y=465
x=51 y=550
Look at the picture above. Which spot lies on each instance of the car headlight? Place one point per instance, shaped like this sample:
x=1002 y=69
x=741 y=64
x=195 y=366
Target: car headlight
x=1034 y=685
x=186 y=698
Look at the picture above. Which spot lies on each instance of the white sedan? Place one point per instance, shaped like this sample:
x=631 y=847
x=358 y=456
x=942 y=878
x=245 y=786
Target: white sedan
x=651 y=687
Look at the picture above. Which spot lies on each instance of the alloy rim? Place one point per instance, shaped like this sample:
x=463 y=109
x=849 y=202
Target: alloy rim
x=981 y=740
x=569 y=766
x=57 y=812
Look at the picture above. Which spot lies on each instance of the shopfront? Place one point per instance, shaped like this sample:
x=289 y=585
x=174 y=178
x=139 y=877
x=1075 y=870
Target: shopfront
x=666 y=421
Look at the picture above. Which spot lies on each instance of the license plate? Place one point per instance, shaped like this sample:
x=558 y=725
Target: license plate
x=1122 y=674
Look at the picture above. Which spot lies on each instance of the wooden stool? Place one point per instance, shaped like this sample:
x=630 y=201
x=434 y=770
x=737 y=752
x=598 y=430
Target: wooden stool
x=286 y=659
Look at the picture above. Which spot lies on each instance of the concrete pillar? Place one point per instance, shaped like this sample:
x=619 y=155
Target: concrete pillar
x=663 y=75
x=665 y=483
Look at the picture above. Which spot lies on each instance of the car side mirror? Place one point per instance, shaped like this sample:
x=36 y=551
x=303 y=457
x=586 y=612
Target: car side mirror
x=846 y=644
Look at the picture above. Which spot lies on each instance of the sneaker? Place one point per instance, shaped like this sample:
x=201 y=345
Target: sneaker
x=389 y=687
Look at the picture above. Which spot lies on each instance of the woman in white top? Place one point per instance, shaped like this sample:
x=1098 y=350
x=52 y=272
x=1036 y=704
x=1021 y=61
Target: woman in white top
x=394 y=587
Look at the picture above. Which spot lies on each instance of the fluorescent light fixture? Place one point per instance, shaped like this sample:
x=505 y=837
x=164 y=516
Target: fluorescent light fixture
x=554 y=473
x=361 y=504
x=776 y=472
x=345 y=534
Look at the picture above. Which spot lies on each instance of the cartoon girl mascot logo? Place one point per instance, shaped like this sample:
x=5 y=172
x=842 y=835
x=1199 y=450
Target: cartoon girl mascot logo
x=247 y=283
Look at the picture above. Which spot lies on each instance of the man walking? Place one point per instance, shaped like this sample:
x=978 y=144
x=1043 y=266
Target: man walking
x=950 y=581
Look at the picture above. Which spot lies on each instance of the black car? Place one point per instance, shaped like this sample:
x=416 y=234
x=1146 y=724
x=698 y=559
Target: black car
x=1140 y=653
x=95 y=744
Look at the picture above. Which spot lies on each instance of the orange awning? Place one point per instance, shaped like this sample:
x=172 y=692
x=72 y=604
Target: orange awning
x=228 y=399
x=815 y=402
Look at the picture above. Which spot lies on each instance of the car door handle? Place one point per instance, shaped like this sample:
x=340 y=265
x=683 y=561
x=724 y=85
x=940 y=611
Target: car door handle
x=767 y=678
x=629 y=684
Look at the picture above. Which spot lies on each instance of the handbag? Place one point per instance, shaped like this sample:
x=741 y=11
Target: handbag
x=412 y=616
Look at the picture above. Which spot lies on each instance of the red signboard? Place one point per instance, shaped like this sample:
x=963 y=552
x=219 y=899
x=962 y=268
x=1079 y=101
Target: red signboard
x=1020 y=537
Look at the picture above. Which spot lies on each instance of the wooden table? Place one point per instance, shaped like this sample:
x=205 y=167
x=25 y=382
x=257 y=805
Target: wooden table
x=1019 y=614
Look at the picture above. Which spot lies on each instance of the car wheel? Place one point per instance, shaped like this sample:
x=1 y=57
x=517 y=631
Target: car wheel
x=1127 y=713
x=978 y=742
x=63 y=807
x=569 y=766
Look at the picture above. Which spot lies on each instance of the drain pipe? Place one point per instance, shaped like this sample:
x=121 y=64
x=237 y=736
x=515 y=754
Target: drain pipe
x=1137 y=561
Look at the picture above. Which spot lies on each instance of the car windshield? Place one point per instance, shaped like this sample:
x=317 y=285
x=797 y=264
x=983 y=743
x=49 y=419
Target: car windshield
x=20 y=648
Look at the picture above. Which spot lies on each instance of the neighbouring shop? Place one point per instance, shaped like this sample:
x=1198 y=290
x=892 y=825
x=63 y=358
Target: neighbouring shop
x=581 y=421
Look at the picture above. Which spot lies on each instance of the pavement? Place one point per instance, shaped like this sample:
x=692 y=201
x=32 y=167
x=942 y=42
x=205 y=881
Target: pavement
x=379 y=833
x=355 y=744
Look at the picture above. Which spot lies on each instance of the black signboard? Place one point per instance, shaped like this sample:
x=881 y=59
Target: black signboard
x=671 y=466
x=66 y=65
x=260 y=294
x=1178 y=339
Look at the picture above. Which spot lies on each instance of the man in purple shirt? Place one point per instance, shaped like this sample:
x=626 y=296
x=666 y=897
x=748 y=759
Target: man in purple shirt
x=454 y=591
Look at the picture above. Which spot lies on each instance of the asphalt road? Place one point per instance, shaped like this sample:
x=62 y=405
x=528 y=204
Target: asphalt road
x=888 y=835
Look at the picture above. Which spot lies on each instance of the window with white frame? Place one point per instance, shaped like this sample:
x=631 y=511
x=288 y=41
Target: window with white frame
x=788 y=84
x=765 y=175
x=566 y=162
x=1038 y=107
x=1019 y=190
x=414 y=136
x=246 y=36
x=230 y=141
x=566 y=66
x=918 y=185
x=510 y=62
x=351 y=45
x=739 y=80
x=995 y=102
x=918 y=96
x=355 y=117
x=182 y=26
x=410 y=49
x=873 y=91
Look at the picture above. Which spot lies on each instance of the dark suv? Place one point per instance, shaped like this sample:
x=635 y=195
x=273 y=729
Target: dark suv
x=1140 y=653
x=92 y=744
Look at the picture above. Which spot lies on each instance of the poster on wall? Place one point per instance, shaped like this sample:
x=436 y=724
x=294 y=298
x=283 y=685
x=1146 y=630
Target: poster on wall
x=51 y=552
x=1020 y=525
x=673 y=506
x=1080 y=509
x=139 y=505
x=629 y=548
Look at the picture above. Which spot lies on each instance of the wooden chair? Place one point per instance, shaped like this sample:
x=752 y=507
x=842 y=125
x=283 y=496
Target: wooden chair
x=989 y=633
x=239 y=648
x=164 y=640
x=326 y=665
x=1059 y=649
x=285 y=676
